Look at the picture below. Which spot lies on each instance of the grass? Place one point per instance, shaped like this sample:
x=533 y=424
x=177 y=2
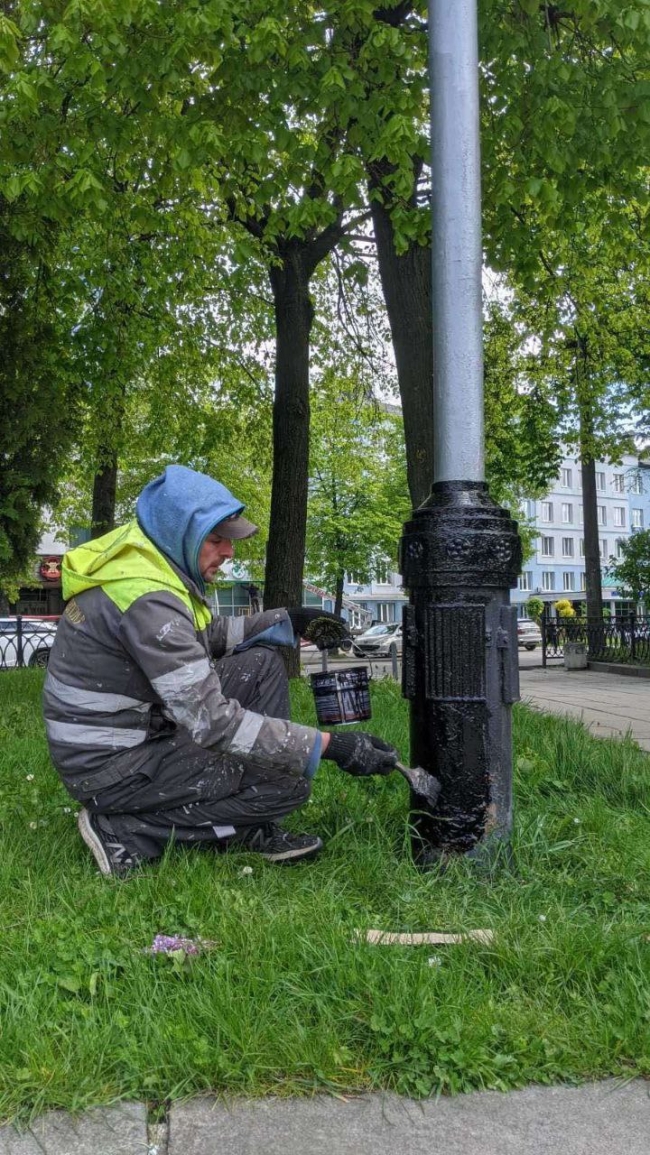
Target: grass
x=288 y=1002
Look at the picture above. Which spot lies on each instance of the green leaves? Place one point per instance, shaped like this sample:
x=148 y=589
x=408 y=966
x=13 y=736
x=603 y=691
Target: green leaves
x=632 y=572
x=9 y=49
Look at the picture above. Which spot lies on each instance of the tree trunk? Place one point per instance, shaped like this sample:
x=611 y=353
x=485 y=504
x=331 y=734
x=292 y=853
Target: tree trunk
x=406 y=285
x=104 y=490
x=338 y=600
x=285 y=554
x=593 y=577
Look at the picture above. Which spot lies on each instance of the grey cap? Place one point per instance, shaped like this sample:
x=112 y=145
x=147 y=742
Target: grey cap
x=235 y=528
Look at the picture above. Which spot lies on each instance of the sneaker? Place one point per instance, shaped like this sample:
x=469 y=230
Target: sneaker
x=277 y=845
x=110 y=855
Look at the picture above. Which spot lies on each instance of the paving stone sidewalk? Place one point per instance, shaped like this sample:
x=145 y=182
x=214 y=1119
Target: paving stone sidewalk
x=611 y=705
x=597 y=1119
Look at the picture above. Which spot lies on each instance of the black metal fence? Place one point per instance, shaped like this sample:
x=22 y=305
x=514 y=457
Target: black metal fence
x=26 y=641
x=623 y=639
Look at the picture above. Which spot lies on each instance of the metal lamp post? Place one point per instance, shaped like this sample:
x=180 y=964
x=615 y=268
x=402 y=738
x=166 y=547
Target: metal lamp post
x=460 y=552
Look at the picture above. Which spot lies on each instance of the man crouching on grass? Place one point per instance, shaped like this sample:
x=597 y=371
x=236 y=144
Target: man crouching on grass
x=165 y=721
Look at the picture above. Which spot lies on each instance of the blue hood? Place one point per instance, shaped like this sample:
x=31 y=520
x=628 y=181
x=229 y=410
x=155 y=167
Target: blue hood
x=179 y=509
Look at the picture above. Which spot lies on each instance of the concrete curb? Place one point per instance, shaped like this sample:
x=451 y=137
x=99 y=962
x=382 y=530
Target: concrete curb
x=613 y=668
x=604 y=1118
x=596 y=1119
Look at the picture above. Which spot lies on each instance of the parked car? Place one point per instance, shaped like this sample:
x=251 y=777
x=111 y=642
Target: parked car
x=37 y=640
x=376 y=642
x=529 y=634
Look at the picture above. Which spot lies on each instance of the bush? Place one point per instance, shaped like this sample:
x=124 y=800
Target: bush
x=535 y=608
x=564 y=609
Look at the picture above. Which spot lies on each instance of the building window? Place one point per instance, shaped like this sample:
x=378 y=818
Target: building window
x=386 y=611
x=618 y=548
x=567 y=512
x=619 y=516
x=568 y=580
x=525 y=580
x=619 y=483
x=382 y=574
x=603 y=548
x=583 y=580
x=355 y=579
x=548 y=547
x=600 y=481
x=635 y=484
x=637 y=519
x=602 y=515
x=547 y=511
x=582 y=547
x=548 y=579
x=567 y=547
x=566 y=476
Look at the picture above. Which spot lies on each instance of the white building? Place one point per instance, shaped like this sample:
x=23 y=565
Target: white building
x=557 y=567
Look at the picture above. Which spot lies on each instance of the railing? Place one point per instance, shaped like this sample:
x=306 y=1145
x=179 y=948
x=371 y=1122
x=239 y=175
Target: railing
x=624 y=639
x=26 y=640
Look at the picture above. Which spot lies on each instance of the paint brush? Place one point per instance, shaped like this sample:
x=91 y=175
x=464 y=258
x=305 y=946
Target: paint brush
x=421 y=783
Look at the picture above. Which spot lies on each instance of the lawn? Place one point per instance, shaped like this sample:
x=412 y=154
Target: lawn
x=287 y=1001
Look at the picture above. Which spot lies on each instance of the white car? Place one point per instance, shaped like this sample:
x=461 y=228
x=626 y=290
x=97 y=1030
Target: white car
x=377 y=641
x=37 y=639
x=529 y=634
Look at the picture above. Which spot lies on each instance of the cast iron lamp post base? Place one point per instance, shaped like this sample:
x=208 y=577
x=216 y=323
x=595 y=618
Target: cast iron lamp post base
x=460 y=555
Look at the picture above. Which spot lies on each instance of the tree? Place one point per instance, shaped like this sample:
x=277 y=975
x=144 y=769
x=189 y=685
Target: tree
x=535 y=608
x=35 y=396
x=522 y=450
x=204 y=399
x=632 y=572
x=565 y=118
x=356 y=509
x=277 y=115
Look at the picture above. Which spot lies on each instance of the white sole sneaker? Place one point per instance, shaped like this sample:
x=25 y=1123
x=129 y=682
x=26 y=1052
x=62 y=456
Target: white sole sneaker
x=295 y=853
x=93 y=842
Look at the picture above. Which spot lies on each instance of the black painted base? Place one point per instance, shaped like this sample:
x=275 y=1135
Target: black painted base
x=460 y=554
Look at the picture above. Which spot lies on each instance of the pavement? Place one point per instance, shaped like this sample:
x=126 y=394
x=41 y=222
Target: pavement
x=607 y=1118
x=611 y=705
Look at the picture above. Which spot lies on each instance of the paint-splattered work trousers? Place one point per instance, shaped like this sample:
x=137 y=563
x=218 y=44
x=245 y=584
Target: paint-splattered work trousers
x=194 y=794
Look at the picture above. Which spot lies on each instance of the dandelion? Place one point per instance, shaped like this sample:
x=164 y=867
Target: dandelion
x=542 y=918
x=576 y=821
x=246 y=870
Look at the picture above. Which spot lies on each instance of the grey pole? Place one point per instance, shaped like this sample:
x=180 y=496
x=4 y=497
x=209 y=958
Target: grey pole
x=460 y=553
x=457 y=251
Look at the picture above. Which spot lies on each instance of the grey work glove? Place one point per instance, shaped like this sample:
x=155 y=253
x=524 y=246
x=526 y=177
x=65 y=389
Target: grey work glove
x=361 y=754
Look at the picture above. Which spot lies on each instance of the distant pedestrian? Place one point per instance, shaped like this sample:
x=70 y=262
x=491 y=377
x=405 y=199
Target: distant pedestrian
x=254 y=598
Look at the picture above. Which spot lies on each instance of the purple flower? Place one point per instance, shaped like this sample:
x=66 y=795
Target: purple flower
x=166 y=943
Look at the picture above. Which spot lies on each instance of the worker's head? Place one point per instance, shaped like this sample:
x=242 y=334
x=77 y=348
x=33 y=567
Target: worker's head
x=193 y=519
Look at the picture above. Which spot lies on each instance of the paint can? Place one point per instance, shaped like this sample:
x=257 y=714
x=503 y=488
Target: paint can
x=341 y=696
